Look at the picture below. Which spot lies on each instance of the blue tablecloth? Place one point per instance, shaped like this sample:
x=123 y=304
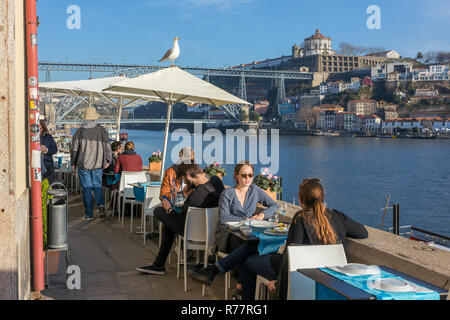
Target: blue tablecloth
x=139 y=192
x=269 y=244
x=112 y=179
x=361 y=283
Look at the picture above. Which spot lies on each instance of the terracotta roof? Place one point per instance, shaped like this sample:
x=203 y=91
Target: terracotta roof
x=318 y=35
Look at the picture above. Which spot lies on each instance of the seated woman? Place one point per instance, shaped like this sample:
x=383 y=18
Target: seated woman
x=314 y=224
x=239 y=203
x=129 y=160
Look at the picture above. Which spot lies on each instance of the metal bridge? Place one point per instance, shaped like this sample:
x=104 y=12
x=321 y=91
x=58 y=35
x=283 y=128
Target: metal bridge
x=163 y=121
x=136 y=70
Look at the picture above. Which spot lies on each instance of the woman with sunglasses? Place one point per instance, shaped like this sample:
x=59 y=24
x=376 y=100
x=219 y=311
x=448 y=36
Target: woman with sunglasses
x=239 y=203
x=314 y=224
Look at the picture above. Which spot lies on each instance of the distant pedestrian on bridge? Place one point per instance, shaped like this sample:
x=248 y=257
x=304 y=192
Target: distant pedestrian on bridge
x=91 y=153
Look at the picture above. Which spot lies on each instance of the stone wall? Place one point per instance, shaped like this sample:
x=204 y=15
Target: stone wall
x=14 y=198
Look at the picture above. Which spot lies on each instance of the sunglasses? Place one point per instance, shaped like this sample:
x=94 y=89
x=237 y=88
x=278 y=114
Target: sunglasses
x=244 y=175
x=308 y=180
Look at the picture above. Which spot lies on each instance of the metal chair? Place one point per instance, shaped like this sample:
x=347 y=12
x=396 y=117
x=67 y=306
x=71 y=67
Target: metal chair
x=151 y=201
x=199 y=235
x=126 y=191
x=221 y=255
x=304 y=257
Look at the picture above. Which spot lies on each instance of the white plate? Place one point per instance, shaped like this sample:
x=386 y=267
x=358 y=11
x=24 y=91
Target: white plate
x=391 y=284
x=234 y=225
x=357 y=269
x=260 y=223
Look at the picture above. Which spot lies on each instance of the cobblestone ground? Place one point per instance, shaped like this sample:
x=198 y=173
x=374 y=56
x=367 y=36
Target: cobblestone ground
x=108 y=254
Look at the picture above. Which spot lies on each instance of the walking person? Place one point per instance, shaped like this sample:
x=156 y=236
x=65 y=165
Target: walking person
x=90 y=154
x=48 y=149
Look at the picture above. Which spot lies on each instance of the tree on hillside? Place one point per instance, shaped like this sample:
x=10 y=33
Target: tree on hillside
x=381 y=92
x=419 y=56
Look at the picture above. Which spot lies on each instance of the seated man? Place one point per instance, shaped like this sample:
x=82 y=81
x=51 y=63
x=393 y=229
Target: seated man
x=200 y=191
x=116 y=148
x=170 y=180
x=129 y=160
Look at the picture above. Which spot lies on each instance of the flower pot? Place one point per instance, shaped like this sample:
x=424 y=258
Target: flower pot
x=219 y=175
x=53 y=262
x=271 y=194
x=154 y=166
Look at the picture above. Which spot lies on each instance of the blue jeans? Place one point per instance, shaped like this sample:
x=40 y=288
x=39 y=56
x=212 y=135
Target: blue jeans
x=91 y=180
x=250 y=263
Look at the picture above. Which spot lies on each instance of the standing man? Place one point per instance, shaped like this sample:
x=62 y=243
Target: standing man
x=91 y=153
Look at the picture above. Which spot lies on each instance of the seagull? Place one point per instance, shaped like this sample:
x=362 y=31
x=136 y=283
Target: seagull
x=173 y=53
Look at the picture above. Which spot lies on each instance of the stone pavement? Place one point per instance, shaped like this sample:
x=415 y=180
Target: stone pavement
x=108 y=255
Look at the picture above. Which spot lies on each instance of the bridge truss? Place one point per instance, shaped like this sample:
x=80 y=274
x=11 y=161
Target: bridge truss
x=136 y=70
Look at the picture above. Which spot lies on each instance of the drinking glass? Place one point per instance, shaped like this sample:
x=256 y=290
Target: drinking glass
x=283 y=208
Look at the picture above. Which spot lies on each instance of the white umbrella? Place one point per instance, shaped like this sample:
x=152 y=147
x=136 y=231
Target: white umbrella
x=172 y=85
x=93 y=88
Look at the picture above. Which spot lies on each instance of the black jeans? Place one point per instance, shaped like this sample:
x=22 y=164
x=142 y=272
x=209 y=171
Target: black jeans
x=172 y=224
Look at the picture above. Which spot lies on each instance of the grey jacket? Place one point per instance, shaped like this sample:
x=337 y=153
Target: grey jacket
x=90 y=147
x=230 y=209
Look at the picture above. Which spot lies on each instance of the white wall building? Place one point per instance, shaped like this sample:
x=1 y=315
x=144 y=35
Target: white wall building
x=433 y=73
x=318 y=44
x=326 y=120
x=382 y=70
x=371 y=124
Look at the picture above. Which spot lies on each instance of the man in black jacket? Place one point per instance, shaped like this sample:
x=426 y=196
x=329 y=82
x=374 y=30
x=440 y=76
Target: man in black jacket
x=201 y=192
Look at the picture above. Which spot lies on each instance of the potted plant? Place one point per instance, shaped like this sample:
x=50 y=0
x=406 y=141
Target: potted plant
x=215 y=169
x=155 y=161
x=269 y=183
x=53 y=256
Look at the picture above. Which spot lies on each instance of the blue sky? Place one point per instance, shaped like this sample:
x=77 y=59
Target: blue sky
x=222 y=33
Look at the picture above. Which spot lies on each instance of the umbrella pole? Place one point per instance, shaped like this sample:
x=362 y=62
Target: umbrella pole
x=118 y=117
x=166 y=137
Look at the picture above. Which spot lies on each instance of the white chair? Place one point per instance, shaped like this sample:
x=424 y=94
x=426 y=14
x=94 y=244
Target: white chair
x=221 y=255
x=127 y=194
x=199 y=234
x=151 y=201
x=305 y=257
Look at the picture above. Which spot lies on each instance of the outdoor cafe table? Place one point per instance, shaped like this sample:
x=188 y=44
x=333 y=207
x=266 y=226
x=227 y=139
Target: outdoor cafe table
x=267 y=244
x=336 y=288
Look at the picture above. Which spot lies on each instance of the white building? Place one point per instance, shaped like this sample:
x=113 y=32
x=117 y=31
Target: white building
x=354 y=86
x=336 y=87
x=318 y=44
x=389 y=54
x=371 y=124
x=397 y=70
x=433 y=73
x=326 y=120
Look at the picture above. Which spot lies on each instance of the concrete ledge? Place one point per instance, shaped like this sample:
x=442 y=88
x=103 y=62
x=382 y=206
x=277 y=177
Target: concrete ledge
x=411 y=257
x=383 y=248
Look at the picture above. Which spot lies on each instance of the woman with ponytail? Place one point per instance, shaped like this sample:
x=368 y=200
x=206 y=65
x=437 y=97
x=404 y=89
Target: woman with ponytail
x=314 y=224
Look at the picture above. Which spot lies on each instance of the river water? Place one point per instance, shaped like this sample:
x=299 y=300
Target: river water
x=357 y=173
